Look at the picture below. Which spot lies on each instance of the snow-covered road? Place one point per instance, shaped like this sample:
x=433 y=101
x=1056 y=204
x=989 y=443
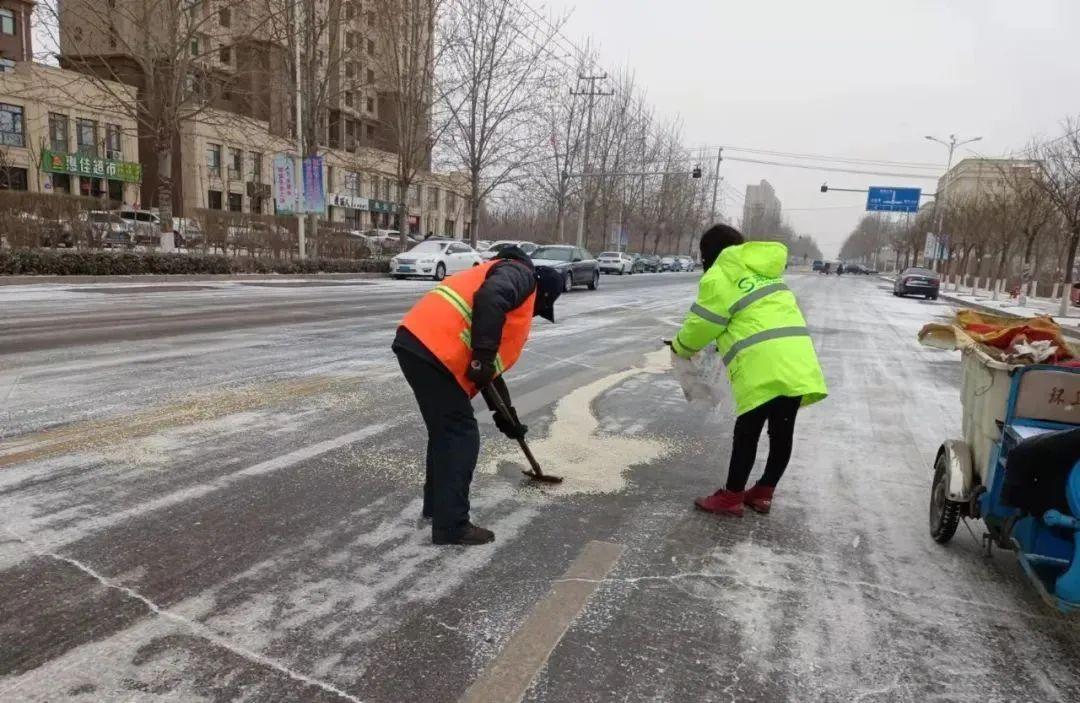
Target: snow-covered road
x=209 y=491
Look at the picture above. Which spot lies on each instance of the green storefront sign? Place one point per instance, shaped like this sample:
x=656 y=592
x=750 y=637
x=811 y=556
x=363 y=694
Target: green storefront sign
x=382 y=206
x=91 y=167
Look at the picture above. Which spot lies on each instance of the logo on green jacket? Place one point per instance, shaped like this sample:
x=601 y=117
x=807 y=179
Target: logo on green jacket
x=748 y=284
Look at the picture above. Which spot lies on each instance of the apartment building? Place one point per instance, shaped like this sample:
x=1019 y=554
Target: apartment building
x=242 y=63
x=61 y=132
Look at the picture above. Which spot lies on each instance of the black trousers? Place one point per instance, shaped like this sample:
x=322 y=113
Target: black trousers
x=453 y=441
x=780 y=414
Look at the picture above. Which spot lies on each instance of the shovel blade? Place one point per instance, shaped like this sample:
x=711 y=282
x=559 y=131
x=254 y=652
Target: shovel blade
x=543 y=478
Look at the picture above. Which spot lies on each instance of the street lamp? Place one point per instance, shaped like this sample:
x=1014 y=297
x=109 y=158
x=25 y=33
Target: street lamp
x=943 y=191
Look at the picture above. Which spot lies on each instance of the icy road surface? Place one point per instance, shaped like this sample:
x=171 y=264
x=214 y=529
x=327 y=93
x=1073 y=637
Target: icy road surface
x=209 y=492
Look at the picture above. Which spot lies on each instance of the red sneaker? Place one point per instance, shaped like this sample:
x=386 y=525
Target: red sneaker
x=723 y=502
x=759 y=498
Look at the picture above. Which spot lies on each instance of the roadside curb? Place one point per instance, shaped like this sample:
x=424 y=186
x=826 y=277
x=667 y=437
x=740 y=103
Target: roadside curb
x=182 y=277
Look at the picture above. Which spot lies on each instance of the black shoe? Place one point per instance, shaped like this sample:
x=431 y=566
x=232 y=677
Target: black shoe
x=469 y=535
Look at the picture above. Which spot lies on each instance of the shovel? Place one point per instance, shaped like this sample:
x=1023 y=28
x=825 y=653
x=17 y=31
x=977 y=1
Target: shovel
x=536 y=474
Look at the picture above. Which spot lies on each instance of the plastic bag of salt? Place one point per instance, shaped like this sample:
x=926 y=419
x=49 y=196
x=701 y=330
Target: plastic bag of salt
x=703 y=378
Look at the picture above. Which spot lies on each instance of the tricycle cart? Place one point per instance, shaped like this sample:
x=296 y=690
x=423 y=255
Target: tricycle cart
x=1004 y=405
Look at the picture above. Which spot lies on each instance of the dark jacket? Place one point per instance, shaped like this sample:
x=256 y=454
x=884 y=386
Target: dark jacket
x=508 y=285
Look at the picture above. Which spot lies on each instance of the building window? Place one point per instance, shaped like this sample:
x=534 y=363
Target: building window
x=112 y=142
x=351 y=185
x=213 y=162
x=213 y=199
x=86 y=137
x=433 y=198
x=370 y=77
x=370 y=47
x=7 y=22
x=7 y=66
x=371 y=104
x=236 y=202
x=350 y=69
x=58 y=132
x=11 y=125
x=236 y=165
x=194 y=46
x=225 y=54
x=12 y=178
x=224 y=18
x=451 y=201
x=370 y=132
x=256 y=166
x=348 y=98
x=350 y=11
x=350 y=40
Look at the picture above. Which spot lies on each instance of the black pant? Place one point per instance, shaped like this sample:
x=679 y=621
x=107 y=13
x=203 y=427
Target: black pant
x=453 y=441
x=780 y=413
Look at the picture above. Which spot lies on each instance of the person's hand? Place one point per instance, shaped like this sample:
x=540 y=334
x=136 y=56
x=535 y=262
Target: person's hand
x=511 y=426
x=667 y=343
x=481 y=371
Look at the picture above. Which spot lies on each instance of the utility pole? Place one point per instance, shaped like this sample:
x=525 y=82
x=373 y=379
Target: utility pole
x=299 y=136
x=591 y=93
x=716 y=181
x=940 y=204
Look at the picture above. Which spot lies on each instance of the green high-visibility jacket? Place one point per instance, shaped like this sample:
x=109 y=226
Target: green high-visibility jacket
x=744 y=306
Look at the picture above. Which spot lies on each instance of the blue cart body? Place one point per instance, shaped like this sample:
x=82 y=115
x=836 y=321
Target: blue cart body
x=1048 y=545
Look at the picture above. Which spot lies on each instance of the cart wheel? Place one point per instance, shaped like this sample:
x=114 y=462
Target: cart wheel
x=944 y=513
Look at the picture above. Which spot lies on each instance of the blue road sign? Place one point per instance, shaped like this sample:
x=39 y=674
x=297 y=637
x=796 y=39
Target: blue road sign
x=880 y=199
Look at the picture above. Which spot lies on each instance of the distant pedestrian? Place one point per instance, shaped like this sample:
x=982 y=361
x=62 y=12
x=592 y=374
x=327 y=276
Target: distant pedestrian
x=744 y=306
x=458 y=340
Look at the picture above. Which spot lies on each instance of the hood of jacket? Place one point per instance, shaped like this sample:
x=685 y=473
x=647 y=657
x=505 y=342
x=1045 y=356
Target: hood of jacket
x=761 y=258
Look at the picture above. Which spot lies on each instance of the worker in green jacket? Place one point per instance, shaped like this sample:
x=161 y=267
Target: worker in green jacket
x=744 y=306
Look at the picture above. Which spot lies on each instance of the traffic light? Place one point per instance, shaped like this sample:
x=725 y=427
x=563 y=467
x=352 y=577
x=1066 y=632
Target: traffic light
x=696 y=173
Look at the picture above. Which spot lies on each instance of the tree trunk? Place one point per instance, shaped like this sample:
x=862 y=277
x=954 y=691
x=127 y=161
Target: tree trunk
x=1070 y=261
x=474 y=208
x=164 y=196
x=560 y=220
x=999 y=272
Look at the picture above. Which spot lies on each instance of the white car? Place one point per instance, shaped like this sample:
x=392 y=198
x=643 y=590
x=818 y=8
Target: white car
x=616 y=262
x=435 y=258
x=495 y=248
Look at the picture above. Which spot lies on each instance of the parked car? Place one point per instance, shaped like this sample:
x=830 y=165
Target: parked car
x=616 y=262
x=435 y=258
x=817 y=265
x=640 y=265
x=145 y=226
x=495 y=247
x=917 y=281
x=577 y=266
x=387 y=239
x=187 y=232
x=668 y=263
x=684 y=263
x=651 y=263
x=110 y=230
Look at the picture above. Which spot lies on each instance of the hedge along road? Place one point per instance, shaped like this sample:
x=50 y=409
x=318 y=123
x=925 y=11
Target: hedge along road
x=210 y=492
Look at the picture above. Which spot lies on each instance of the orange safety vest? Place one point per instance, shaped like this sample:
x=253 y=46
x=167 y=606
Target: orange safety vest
x=442 y=321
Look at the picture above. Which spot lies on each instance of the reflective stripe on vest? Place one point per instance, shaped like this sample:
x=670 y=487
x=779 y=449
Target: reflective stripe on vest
x=706 y=314
x=764 y=336
x=754 y=296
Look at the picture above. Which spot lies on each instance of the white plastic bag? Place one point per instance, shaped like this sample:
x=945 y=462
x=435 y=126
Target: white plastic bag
x=703 y=378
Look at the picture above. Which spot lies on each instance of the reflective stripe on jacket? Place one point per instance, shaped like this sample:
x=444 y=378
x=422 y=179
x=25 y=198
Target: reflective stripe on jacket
x=442 y=321
x=744 y=306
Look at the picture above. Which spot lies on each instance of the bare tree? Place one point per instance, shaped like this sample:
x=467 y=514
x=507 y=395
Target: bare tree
x=181 y=56
x=1060 y=182
x=496 y=64
x=407 y=55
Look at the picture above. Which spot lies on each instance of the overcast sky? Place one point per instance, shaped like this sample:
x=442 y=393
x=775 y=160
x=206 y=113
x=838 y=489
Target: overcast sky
x=852 y=78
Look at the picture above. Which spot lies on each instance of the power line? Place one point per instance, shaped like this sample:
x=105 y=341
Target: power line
x=834 y=169
x=837 y=159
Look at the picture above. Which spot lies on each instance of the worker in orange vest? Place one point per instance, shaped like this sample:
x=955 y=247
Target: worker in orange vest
x=459 y=339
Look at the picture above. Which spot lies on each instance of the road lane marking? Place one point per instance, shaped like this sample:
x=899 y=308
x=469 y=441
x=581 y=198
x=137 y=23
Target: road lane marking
x=99 y=434
x=82 y=527
x=508 y=677
x=197 y=628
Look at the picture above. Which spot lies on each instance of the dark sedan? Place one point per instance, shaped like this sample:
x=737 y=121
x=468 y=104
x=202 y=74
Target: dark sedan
x=917 y=281
x=577 y=266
